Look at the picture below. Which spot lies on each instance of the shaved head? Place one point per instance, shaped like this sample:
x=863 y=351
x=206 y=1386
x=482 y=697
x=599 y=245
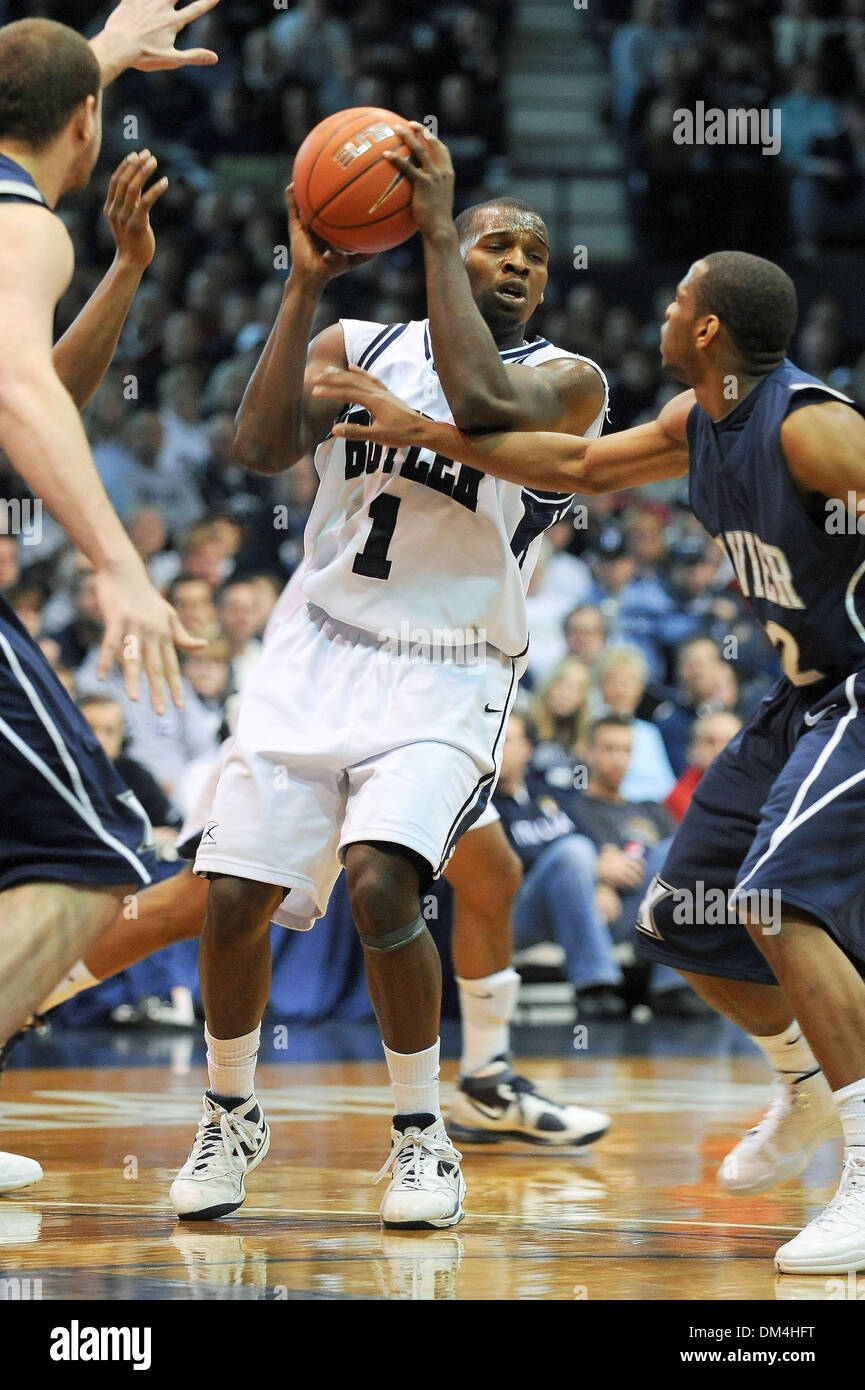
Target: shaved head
x=513 y=214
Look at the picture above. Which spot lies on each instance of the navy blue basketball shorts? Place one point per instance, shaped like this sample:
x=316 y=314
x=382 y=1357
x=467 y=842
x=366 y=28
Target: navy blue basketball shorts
x=776 y=823
x=65 y=815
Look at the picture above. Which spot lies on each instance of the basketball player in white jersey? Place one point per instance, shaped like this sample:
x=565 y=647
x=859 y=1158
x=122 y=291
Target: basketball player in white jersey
x=370 y=735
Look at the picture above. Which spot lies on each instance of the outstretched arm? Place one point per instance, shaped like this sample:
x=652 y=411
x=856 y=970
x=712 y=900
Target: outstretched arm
x=41 y=431
x=142 y=33
x=84 y=353
x=554 y=462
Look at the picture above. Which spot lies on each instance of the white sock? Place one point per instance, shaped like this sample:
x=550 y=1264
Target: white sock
x=231 y=1063
x=790 y=1053
x=79 y=978
x=851 y=1107
x=414 y=1077
x=487 y=1007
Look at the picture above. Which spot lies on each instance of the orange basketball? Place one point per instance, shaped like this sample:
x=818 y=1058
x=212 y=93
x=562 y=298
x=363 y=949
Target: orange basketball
x=347 y=192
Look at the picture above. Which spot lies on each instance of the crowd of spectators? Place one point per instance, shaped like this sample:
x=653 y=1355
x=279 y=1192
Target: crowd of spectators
x=804 y=59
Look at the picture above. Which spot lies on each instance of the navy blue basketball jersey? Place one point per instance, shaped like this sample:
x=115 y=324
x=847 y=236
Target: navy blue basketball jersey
x=801 y=574
x=16 y=185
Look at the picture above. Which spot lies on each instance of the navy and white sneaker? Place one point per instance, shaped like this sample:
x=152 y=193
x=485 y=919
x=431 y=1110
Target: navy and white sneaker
x=496 y=1104
x=229 y=1144
x=427 y=1188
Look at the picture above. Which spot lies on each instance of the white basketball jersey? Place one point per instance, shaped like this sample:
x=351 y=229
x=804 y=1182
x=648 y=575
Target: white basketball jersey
x=407 y=536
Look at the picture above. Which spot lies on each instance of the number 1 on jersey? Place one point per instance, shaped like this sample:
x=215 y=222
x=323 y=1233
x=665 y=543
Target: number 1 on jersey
x=372 y=561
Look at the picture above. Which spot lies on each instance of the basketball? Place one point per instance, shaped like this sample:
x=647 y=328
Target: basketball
x=347 y=192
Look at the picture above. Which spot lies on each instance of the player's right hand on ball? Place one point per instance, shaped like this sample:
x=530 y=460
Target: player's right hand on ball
x=310 y=258
x=393 y=422
x=142 y=631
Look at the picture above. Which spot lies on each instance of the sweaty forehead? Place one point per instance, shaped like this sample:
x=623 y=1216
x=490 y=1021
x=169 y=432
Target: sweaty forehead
x=510 y=221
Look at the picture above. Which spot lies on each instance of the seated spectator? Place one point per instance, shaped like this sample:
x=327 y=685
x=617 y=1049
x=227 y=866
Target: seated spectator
x=698 y=691
x=83 y=633
x=551 y=594
x=828 y=194
x=162 y=743
x=209 y=673
x=621 y=676
x=555 y=900
x=203 y=553
x=240 y=621
x=105 y=718
x=27 y=602
x=193 y=599
x=150 y=537
x=586 y=633
x=560 y=715
x=633 y=608
x=632 y=839
x=709 y=735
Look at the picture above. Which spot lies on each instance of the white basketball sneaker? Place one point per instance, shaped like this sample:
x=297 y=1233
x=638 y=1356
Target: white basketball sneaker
x=426 y=1188
x=17 y=1172
x=228 y=1145
x=498 y=1104
x=834 y=1242
x=801 y=1116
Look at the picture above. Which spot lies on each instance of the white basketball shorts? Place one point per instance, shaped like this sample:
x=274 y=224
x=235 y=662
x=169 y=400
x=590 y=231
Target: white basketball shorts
x=341 y=739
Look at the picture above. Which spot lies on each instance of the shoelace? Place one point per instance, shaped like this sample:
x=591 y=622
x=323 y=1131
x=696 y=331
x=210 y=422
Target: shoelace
x=222 y=1135
x=849 y=1198
x=409 y=1153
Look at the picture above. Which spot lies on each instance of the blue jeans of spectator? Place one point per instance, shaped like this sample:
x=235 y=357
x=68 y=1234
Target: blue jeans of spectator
x=663 y=977
x=555 y=901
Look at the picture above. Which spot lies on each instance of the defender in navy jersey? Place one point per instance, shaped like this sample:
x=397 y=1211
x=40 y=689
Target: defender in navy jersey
x=761 y=902
x=72 y=837
x=370 y=735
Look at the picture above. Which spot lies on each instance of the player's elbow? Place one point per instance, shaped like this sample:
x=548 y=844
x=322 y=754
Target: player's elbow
x=257 y=455
x=479 y=412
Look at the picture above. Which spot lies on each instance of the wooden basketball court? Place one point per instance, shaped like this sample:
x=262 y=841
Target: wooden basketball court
x=639 y=1217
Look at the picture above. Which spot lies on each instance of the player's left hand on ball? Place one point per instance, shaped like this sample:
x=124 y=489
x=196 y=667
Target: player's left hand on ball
x=393 y=422
x=127 y=207
x=431 y=173
x=147 y=30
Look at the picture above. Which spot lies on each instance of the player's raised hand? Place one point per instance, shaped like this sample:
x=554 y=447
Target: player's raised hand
x=142 y=631
x=142 y=34
x=393 y=422
x=310 y=257
x=127 y=208
x=430 y=170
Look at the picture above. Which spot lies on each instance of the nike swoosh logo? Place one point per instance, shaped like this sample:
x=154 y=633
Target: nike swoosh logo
x=488 y=709
x=812 y=719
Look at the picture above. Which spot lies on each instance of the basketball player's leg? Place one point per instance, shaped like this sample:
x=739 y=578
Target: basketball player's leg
x=274 y=822
x=685 y=922
x=491 y=1099
x=166 y=912
x=234 y=969
x=800 y=889
x=73 y=840
x=46 y=927
x=403 y=973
